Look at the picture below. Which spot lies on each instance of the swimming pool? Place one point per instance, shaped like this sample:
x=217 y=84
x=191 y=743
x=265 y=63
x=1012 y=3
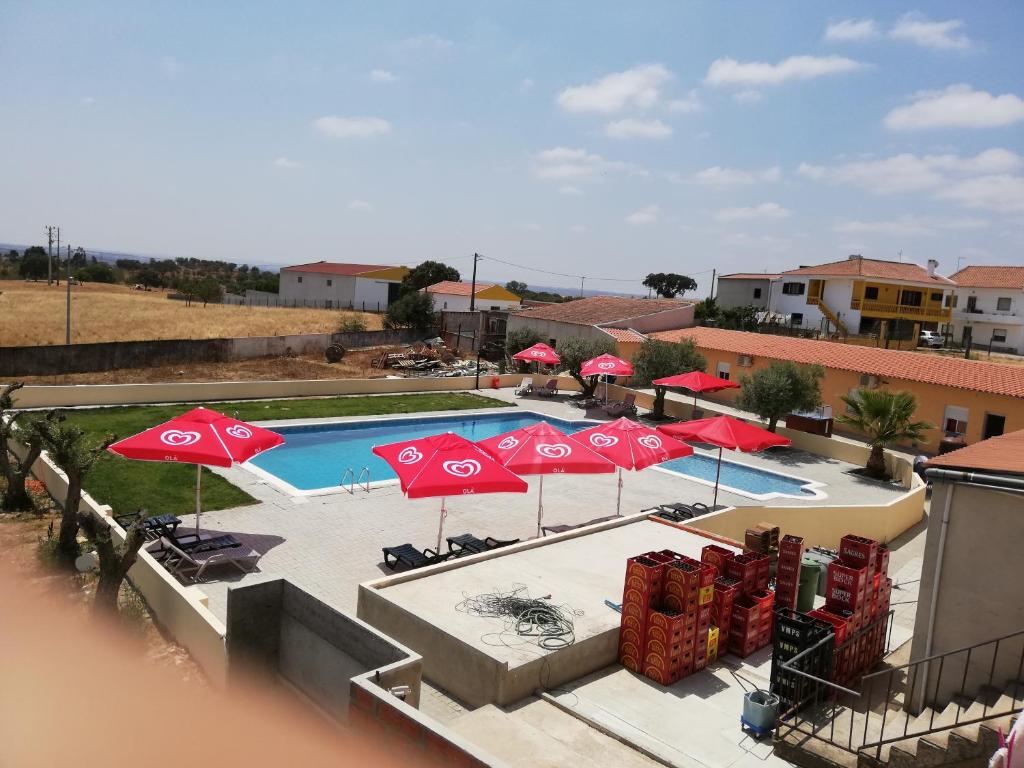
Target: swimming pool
x=314 y=457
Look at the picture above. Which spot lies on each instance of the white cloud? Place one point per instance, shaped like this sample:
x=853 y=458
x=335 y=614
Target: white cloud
x=569 y=189
x=382 y=76
x=958 y=106
x=427 y=43
x=361 y=206
x=849 y=30
x=747 y=213
x=170 y=66
x=577 y=228
x=687 y=105
x=908 y=225
x=908 y=172
x=728 y=71
x=638 y=87
x=1001 y=193
x=747 y=97
x=644 y=216
x=722 y=178
x=942 y=35
x=566 y=164
x=632 y=128
x=351 y=127
x=87 y=101
x=284 y=162
x=526 y=84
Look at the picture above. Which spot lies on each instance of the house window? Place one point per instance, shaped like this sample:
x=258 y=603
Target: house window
x=998 y=335
x=936 y=297
x=445 y=305
x=797 y=318
x=329 y=283
x=793 y=289
x=955 y=420
x=952 y=299
x=1003 y=304
x=744 y=361
x=493 y=308
x=757 y=293
x=871 y=293
x=722 y=371
x=300 y=278
x=911 y=298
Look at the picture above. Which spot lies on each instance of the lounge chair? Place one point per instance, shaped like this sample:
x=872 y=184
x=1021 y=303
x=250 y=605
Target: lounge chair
x=468 y=544
x=193 y=542
x=548 y=390
x=152 y=527
x=586 y=403
x=625 y=407
x=525 y=387
x=190 y=566
x=409 y=556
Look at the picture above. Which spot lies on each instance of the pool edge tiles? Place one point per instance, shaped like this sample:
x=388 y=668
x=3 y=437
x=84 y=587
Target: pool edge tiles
x=812 y=488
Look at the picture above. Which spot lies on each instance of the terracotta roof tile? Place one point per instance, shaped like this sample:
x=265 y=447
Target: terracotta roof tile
x=990 y=277
x=452 y=288
x=997 y=454
x=624 y=334
x=336 y=268
x=601 y=309
x=976 y=375
x=872 y=268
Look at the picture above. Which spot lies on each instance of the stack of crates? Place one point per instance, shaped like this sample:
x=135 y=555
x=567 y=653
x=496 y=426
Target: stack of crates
x=765 y=599
x=750 y=624
x=787 y=571
x=641 y=592
x=668 y=654
x=726 y=590
x=717 y=557
x=795 y=633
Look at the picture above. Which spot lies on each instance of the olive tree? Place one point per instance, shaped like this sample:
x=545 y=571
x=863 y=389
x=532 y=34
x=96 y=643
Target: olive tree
x=779 y=389
x=657 y=359
x=24 y=428
x=576 y=350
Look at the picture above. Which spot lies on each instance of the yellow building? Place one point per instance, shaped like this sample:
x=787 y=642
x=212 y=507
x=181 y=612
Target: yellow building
x=972 y=398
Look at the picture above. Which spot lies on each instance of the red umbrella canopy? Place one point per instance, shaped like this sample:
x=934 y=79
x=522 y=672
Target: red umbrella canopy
x=200 y=436
x=540 y=449
x=631 y=445
x=447 y=465
x=538 y=353
x=606 y=365
x=725 y=432
x=696 y=381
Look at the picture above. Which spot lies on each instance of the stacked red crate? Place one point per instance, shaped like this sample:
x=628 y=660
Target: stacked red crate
x=667 y=655
x=748 y=568
x=745 y=626
x=716 y=557
x=725 y=593
x=765 y=599
x=787 y=571
x=641 y=592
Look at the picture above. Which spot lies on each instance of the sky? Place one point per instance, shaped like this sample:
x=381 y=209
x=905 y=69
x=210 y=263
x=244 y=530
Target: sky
x=595 y=139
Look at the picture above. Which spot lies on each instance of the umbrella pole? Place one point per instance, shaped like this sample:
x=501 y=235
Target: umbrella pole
x=618 y=500
x=440 y=526
x=718 y=474
x=540 y=506
x=199 y=482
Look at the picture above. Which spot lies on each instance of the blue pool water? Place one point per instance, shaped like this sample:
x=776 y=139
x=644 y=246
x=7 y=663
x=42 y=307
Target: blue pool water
x=316 y=456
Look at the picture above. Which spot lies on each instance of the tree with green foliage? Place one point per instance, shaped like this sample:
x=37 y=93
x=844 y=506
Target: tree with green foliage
x=739 y=318
x=96 y=273
x=516 y=287
x=886 y=418
x=706 y=311
x=208 y=290
x=35 y=264
x=413 y=310
x=23 y=427
x=351 y=323
x=669 y=285
x=149 y=277
x=425 y=274
x=575 y=351
x=780 y=389
x=657 y=359
x=70 y=449
x=519 y=339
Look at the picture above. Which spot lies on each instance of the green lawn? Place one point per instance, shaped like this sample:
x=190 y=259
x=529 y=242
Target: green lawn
x=168 y=487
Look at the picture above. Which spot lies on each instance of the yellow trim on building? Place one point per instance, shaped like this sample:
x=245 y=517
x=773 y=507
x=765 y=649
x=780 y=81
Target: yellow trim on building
x=388 y=273
x=497 y=293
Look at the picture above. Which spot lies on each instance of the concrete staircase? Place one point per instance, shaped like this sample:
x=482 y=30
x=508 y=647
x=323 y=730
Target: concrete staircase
x=954 y=745
x=826 y=310
x=536 y=734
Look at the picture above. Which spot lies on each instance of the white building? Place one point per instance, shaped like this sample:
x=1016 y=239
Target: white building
x=744 y=289
x=333 y=285
x=454 y=297
x=988 y=307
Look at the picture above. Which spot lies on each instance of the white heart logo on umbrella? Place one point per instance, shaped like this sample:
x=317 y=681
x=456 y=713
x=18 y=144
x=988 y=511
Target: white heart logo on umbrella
x=650 y=441
x=603 y=441
x=606 y=366
x=507 y=443
x=464 y=468
x=178 y=438
x=409 y=456
x=554 y=450
x=237 y=430
x=536 y=353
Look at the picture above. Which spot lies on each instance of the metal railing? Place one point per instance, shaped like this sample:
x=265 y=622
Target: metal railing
x=912 y=698
x=938 y=313
x=826 y=310
x=362 y=480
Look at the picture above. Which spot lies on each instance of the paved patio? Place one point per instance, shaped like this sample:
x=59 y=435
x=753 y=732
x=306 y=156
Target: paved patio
x=330 y=543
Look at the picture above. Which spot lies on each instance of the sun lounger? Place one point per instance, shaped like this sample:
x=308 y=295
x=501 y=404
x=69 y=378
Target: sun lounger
x=586 y=402
x=625 y=407
x=191 y=566
x=409 y=556
x=468 y=544
x=193 y=542
x=525 y=387
x=548 y=390
x=152 y=527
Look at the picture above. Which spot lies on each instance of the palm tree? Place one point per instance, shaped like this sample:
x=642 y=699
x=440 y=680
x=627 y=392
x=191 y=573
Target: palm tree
x=886 y=418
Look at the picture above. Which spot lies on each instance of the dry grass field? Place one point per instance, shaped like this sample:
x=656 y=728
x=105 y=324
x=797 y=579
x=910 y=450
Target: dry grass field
x=33 y=313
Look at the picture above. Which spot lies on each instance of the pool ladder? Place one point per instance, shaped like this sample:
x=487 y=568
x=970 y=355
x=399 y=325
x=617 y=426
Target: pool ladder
x=354 y=480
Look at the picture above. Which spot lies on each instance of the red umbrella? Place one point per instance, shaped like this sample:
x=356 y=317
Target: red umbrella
x=696 y=381
x=631 y=446
x=445 y=465
x=199 y=437
x=725 y=432
x=540 y=449
x=606 y=365
x=538 y=353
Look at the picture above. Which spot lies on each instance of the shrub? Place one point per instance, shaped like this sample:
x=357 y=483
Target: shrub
x=352 y=324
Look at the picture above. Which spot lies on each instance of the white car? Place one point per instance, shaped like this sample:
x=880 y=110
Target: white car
x=930 y=339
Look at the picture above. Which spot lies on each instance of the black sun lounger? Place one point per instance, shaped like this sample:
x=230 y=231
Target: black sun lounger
x=409 y=556
x=468 y=544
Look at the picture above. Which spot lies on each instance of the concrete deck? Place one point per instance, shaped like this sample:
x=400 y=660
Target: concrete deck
x=329 y=544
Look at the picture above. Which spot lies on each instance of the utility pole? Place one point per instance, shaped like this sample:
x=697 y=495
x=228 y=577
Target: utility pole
x=67 y=335
x=582 y=278
x=58 y=255
x=49 y=253
x=472 y=290
x=712 y=294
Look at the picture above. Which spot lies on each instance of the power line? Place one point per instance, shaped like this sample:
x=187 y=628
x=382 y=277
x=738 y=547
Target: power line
x=578 y=276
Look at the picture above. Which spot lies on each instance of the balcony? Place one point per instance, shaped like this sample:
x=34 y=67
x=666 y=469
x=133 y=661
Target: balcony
x=902 y=311
x=981 y=316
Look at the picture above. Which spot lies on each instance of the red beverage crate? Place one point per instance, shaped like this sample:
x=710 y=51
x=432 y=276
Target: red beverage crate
x=630 y=635
x=791 y=546
x=666 y=626
x=663 y=654
x=742 y=645
x=673 y=602
x=645 y=574
x=846 y=587
x=841 y=621
x=686 y=574
x=858 y=552
x=765 y=600
x=744 y=568
x=631 y=656
x=764 y=567
x=882 y=560
x=716 y=557
x=746 y=616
